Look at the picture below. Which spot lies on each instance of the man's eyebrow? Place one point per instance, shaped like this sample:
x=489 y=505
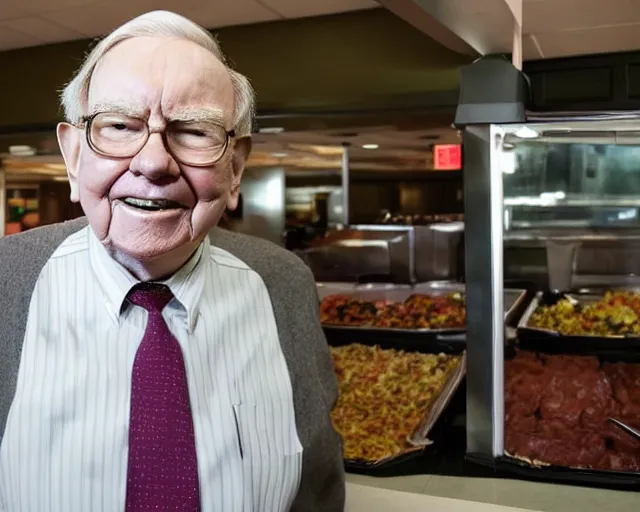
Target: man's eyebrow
x=117 y=108
x=199 y=115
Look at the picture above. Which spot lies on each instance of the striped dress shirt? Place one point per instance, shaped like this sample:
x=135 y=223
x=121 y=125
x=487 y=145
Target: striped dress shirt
x=65 y=444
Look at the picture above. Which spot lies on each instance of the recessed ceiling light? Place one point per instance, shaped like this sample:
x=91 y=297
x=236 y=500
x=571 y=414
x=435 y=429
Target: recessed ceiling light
x=279 y=155
x=369 y=146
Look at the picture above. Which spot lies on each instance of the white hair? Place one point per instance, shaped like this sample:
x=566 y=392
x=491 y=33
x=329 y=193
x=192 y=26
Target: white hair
x=74 y=96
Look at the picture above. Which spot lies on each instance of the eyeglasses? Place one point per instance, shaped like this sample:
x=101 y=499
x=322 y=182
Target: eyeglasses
x=195 y=143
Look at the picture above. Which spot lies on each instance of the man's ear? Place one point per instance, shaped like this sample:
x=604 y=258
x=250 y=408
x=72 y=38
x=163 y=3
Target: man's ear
x=241 y=152
x=69 y=142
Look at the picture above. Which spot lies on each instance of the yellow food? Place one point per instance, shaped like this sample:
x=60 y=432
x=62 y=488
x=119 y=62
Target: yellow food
x=617 y=314
x=384 y=394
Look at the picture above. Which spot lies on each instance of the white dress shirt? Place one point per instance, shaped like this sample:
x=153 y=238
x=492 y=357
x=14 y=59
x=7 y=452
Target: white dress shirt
x=65 y=444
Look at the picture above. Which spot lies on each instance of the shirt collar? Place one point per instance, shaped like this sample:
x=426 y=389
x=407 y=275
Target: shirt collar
x=187 y=284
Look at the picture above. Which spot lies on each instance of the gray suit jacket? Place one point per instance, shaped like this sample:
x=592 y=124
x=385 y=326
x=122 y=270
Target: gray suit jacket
x=295 y=304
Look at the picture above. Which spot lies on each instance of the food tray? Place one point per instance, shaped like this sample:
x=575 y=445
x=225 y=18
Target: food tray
x=422 y=442
x=578 y=476
x=442 y=339
x=535 y=338
x=509 y=466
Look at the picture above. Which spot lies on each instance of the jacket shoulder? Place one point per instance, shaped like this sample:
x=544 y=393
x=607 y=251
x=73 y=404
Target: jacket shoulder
x=22 y=258
x=264 y=257
x=33 y=248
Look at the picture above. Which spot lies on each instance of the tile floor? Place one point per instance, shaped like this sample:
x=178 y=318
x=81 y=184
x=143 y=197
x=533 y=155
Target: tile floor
x=512 y=493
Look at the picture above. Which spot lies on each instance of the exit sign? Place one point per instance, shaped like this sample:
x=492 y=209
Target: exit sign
x=447 y=157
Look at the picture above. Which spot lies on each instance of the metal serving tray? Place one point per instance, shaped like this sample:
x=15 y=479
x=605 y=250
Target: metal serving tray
x=535 y=338
x=420 y=440
x=513 y=299
x=564 y=474
x=557 y=474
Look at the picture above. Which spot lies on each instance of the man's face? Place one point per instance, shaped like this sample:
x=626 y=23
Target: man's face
x=158 y=80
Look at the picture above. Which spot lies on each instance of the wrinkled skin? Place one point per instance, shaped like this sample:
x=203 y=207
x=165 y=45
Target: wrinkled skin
x=159 y=79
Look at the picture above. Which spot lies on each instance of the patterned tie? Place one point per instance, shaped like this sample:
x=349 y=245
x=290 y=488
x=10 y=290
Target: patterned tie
x=162 y=474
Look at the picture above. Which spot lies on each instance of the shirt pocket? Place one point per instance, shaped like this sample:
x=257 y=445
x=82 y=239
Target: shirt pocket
x=271 y=456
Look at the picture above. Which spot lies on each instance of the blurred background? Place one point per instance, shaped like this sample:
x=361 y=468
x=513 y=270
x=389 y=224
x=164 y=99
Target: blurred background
x=355 y=99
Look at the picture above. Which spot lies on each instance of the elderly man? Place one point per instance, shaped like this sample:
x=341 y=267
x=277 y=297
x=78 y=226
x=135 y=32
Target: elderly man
x=143 y=365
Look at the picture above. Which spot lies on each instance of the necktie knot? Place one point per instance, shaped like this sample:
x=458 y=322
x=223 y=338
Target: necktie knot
x=151 y=296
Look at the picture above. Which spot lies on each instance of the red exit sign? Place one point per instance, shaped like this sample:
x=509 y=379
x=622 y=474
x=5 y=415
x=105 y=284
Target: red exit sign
x=447 y=157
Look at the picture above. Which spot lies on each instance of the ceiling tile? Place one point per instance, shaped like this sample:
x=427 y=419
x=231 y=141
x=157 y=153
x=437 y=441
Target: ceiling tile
x=10 y=39
x=97 y=18
x=238 y=12
x=40 y=6
x=596 y=40
x=178 y=6
x=300 y=9
x=42 y=30
x=557 y=15
x=530 y=48
x=10 y=9
x=58 y=20
x=100 y=17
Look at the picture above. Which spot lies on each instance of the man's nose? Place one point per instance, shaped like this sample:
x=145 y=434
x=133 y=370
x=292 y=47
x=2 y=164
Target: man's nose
x=154 y=161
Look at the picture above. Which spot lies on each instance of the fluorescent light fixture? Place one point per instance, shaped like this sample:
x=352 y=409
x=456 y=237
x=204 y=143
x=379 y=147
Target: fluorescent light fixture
x=280 y=155
x=22 y=151
x=271 y=129
x=370 y=146
x=526 y=133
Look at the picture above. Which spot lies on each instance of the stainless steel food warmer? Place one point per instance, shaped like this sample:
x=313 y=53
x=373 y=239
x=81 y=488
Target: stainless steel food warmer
x=556 y=201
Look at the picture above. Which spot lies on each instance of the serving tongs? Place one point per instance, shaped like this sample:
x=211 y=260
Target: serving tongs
x=629 y=430
x=550 y=298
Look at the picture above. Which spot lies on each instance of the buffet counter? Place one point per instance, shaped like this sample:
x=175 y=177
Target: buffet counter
x=361 y=498
x=466 y=494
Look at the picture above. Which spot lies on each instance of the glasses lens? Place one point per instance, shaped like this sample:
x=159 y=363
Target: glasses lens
x=197 y=143
x=117 y=135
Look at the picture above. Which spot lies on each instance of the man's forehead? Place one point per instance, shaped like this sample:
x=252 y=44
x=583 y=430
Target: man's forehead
x=146 y=75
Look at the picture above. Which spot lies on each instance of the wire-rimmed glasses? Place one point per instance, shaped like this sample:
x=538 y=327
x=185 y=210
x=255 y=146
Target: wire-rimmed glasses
x=194 y=143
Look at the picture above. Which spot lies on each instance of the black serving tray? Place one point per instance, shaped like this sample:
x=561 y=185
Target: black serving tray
x=448 y=340
x=407 y=463
x=556 y=474
x=413 y=341
x=560 y=474
x=543 y=340
x=508 y=467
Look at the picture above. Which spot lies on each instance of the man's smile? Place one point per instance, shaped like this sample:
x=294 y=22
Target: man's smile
x=152 y=204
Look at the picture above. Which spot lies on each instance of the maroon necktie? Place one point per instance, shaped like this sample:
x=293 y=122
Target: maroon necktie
x=162 y=473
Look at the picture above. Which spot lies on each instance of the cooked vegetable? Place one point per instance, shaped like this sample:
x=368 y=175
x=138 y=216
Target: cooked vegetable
x=618 y=313
x=416 y=312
